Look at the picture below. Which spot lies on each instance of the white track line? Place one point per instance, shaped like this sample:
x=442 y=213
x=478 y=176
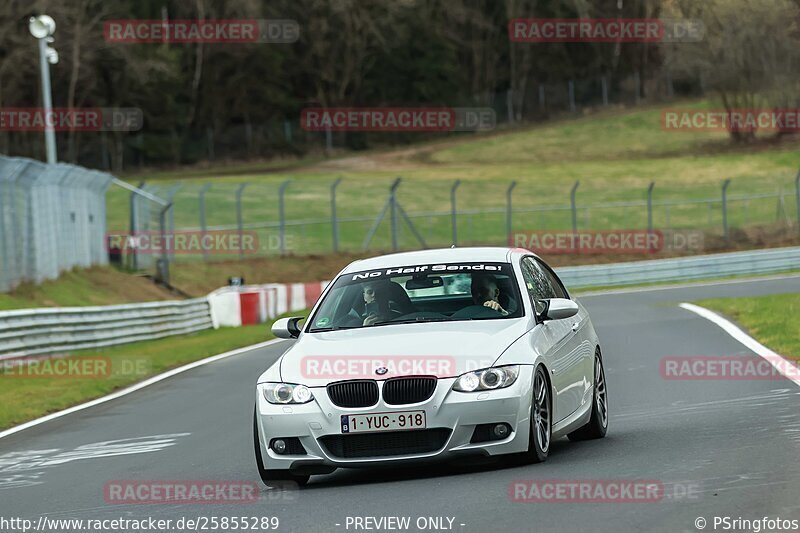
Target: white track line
x=778 y=362
x=135 y=387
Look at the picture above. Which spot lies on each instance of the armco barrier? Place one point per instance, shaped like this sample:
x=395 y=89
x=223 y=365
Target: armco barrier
x=682 y=268
x=43 y=331
x=28 y=332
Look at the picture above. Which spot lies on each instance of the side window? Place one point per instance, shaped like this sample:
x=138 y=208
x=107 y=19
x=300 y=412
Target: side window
x=558 y=287
x=537 y=283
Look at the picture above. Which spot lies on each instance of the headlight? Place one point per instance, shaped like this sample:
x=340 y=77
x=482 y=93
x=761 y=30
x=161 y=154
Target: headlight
x=281 y=393
x=488 y=379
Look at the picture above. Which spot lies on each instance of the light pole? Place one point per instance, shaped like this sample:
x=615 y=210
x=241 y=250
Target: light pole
x=42 y=28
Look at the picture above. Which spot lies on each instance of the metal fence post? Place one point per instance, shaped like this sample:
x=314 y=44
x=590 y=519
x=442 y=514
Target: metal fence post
x=604 y=81
x=650 y=206
x=574 y=206
x=134 y=222
x=725 y=209
x=797 y=198
x=542 y=101
x=282 y=215
x=454 y=213
x=393 y=211
x=334 y=221
x=171 y=224
x=210 y=143
x=6 y=278
x=163 y=270
x=239 y=218
x=571 y=90
x=509 y=237
x=203 y=228
x=287 y=131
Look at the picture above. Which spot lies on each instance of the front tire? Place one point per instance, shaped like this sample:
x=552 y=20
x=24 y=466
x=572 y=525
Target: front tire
x=272 y=478
x=597 y=426
x=541 y=420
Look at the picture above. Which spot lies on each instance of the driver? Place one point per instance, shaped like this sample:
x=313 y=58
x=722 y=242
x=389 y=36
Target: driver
x=485 y=292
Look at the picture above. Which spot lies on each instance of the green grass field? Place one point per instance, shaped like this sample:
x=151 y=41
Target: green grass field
x=29 y=397
x=615 y=154
x=774 y=320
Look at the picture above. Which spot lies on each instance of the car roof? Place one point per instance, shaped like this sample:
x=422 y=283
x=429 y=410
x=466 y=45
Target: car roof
x=495 y=254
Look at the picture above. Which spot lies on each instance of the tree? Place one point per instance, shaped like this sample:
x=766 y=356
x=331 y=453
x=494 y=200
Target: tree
x=749 y=55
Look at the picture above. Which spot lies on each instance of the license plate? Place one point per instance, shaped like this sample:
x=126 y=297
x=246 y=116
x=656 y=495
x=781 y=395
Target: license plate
x=398 y=420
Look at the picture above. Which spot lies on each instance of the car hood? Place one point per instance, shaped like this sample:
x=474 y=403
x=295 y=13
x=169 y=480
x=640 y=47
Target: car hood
x=444 y=349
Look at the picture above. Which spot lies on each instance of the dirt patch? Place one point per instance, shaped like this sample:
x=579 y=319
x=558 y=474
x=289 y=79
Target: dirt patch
x=199 y=278
x=396 y=159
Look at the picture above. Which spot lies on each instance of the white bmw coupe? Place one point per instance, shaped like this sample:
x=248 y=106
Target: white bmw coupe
x=430 y=355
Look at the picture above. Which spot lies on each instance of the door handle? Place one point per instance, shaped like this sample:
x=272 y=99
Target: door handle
x=575 y=326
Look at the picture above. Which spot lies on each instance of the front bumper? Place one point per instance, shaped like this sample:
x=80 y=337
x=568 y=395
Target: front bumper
x=455 y=413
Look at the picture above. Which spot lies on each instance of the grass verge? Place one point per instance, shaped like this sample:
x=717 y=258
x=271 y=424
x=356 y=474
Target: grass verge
x=26 y=398
x=774 y=320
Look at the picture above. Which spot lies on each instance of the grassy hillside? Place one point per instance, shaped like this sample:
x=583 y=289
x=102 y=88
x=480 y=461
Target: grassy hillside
x=615 y=154
x=93 y=286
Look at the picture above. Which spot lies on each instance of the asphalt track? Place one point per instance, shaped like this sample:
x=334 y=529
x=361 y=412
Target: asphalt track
x=720 y=448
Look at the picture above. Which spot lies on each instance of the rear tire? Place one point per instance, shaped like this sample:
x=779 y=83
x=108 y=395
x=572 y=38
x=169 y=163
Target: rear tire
x=273 y=478
x=597 y=426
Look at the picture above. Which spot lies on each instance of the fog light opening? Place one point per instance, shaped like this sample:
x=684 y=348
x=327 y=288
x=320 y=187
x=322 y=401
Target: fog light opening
x=501 y=431
x=279 y=445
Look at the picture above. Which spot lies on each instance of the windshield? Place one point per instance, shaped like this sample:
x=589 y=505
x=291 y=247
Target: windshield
x=419 y=293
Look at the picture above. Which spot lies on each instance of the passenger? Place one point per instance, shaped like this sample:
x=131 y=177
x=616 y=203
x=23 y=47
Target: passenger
x=376 y=303
x=485 y=292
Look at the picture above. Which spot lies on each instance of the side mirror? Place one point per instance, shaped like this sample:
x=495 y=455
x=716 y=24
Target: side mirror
x=287 y=328
x=559 y=308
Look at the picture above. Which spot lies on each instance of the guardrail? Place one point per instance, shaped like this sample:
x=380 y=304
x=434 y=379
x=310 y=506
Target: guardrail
x=45 y=331
x=49 y=330
x=682 y=268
